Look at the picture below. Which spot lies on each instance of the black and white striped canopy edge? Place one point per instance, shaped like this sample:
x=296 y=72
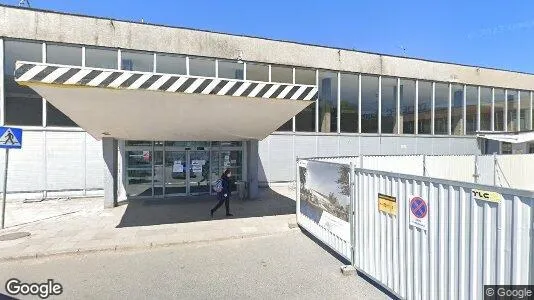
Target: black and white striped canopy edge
x=120 y=79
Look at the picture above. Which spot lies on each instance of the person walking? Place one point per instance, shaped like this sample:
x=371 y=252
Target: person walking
x=224 y=194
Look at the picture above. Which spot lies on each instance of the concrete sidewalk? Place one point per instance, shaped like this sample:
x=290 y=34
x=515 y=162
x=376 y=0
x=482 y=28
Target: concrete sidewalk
x=83 y=225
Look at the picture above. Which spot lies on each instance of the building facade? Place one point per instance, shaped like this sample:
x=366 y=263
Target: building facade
x=366 y=104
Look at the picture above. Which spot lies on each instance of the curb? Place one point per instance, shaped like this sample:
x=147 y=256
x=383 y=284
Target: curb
x=132 y=247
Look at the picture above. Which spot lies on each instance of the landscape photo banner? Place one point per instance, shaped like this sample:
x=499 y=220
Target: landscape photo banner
x=325 y=196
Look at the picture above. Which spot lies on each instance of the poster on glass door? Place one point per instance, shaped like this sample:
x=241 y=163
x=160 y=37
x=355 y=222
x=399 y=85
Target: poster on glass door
x=177 y=167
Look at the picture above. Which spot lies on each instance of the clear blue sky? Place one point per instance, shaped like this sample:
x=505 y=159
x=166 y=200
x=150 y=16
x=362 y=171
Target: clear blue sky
x=498 y=34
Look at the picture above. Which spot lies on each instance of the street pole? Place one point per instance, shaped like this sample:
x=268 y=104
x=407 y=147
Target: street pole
x=5 y=189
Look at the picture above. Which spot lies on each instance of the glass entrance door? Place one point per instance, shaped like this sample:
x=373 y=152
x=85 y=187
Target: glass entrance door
x=176 y=173
x=167 y=169
x=199 y=182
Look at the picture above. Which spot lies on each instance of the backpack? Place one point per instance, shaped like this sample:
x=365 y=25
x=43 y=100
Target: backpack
x=218 y=186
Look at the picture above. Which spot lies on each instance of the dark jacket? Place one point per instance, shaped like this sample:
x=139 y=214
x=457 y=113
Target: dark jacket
x=225 y=187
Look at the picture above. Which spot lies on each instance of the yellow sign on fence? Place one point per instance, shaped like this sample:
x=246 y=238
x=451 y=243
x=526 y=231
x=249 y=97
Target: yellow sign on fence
x=486 y=196
x=387 y=204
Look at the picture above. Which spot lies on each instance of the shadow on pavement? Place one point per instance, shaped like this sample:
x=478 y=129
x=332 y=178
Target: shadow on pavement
x=154 y=211
x=344 y=261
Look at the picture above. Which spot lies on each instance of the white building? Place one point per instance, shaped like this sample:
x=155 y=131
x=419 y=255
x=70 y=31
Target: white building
x=163 y=110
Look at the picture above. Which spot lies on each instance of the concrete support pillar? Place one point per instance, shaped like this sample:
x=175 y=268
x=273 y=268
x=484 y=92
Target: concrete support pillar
x=252 y=168
x=110 y=154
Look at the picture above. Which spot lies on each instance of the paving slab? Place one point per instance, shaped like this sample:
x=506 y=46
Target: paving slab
x=141 y=223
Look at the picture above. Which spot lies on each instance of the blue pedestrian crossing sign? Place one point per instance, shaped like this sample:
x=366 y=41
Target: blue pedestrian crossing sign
x=10 y=138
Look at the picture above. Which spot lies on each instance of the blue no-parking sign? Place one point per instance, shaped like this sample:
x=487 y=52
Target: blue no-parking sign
x=10 y=138
x=419 y=212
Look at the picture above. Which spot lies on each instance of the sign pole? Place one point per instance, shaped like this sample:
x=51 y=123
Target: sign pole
x=5 y=188
x=9 y=138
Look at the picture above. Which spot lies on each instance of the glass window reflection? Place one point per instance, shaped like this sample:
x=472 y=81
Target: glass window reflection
x=349 y=88
x=369 y=91
x=424 y=107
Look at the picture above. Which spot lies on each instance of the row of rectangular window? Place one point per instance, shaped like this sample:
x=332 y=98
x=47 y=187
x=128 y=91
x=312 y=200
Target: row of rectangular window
x=388 y=105
x=392 y=99
x=18 y=97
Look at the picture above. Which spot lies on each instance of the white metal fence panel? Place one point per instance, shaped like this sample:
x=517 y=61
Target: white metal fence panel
x=340 y=160
x=486 y=169
x=466 y=244
x=323 y=203
x=515 y=171
x=411 y=164
x=453 y=167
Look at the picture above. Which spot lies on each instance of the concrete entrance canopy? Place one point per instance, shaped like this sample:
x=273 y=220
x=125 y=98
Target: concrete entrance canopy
x=151 y=106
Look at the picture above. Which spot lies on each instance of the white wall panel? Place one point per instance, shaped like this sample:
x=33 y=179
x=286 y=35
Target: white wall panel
x=348 y=146
x=389 y=145
x=65 y=162
x=263 y=166
x=370 y=145
x=94 y=163
x=306 y=146
x=440 y=146
x=407 y=145
x=327 y=145
x=26 y=171
x=424 y=145
x=281 y=160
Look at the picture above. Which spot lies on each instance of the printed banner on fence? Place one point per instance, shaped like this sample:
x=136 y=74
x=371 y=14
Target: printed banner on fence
x=325 y=196
x=387 y=204
x=418 y=212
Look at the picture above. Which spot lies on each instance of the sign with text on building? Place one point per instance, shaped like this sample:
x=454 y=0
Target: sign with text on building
x=486 y=196
x=387 y=204
x=418 y=212
x=10 y=138
x=177 y=166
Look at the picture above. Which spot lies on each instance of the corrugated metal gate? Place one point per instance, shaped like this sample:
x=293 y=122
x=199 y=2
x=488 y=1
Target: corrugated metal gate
x=468 y=241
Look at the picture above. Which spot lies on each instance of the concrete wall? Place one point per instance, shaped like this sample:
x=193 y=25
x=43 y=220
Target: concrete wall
x=56 y=27
x=278 y=152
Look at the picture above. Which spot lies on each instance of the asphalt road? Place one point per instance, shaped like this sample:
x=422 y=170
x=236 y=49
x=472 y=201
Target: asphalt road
x=284 y=266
